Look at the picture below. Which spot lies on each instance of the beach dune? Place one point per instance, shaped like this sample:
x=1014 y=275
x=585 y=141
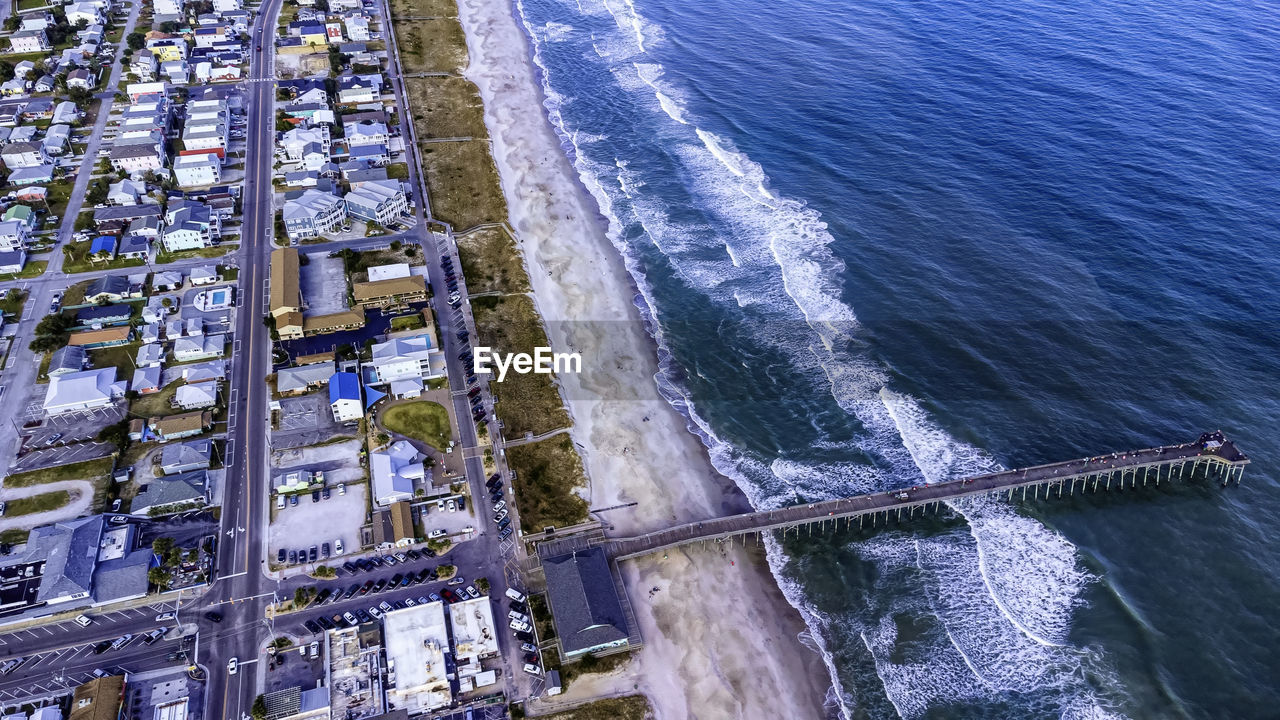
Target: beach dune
x=721 y=641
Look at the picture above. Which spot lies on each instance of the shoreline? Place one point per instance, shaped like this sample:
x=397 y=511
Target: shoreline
x=701 y=658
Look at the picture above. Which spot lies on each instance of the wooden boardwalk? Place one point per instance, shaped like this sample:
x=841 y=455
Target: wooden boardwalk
x=1212 y=455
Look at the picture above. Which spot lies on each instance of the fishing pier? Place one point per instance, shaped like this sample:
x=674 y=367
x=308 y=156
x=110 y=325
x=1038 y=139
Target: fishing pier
x=1211 y=456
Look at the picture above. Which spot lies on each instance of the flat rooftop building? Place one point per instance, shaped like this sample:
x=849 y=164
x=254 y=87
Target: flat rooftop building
x=416 y=642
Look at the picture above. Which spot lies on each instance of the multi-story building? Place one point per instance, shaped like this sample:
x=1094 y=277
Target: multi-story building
x=381 y=202
x=313 y=213
x=197 y=170
x=139 y=155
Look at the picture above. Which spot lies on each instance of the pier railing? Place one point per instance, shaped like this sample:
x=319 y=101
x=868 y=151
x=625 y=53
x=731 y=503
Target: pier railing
x=1212 y=455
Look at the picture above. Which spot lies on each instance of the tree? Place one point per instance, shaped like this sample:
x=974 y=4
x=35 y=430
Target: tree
x=482 y=584
x=117 y=434
x=162 y=545
x=137 y=41
x=13 y=22
x=259 y=709
x=98 y=190
x=324 y=571
x=159 y=577
x=6 y=70
x=335 y=59
x=51 y=333
x=80 y=96
x=169 y=26
x=301 y=596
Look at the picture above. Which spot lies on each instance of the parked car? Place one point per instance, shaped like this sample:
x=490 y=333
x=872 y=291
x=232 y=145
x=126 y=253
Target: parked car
x=472 y=592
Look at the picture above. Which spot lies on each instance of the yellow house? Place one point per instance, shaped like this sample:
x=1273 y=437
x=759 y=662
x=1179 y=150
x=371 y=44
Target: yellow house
x=169 y=50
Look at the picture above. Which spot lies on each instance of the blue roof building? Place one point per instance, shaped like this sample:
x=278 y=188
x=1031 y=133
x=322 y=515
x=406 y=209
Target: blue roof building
x=103 y=243
x=344 y=397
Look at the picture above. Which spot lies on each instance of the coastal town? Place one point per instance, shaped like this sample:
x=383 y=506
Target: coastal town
x=250 y=469
x=329 y=390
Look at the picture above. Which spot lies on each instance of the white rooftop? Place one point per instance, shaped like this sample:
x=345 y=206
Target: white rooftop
x=416 y=641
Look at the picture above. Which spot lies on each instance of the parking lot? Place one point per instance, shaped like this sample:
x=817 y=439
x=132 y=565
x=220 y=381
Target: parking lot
x=78 y=452
x=321 y=276
x=68 y=428
x=298 y=527
x=453 y=523
x=102 y=625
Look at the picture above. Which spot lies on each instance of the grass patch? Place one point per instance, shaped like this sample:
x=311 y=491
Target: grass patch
x=526 y=402
x=165 y=256
x=423 y=8
x=43 y=502
x=629 y=707
x=547 y=473
x=491 y=262
x=30 y=270
x=463 y=183
x=421 y=420
x=446 y=107
x=77 y=260
x=397 y=171
x=59 y=190
x=14 y=536
x=157 y=404
x=75 y=294
x=407 y=322
x=432 y=46
x=87 y=470
x=120 y=357
x=590 y=665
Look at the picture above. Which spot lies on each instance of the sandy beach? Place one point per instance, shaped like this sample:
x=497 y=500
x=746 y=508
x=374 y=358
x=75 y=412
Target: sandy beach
x=721 y=641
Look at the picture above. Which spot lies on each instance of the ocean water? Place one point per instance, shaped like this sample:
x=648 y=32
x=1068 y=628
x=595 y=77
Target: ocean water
x=885 y=243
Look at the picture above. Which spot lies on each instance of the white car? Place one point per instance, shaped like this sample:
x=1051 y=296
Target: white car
x=337 y=547
x=435 y=534
x=440 y=505
x=532 y=669
x=342 y=488
x=232 y=665
x=83 y=621
x=453 y=506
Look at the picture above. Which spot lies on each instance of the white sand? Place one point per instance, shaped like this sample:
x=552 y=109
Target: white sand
x=720 y=638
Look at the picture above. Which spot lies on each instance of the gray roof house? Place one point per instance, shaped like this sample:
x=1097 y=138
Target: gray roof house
x=68 y=359
x=584 y=602
x=296 y=380
x=147 y=379
x=171 y=492
x=86 y=561
x=184 y=457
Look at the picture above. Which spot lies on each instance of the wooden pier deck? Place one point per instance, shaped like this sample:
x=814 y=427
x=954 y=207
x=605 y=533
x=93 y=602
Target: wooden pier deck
x=1212 y=455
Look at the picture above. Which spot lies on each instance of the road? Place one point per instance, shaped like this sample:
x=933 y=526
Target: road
x=242 y=590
